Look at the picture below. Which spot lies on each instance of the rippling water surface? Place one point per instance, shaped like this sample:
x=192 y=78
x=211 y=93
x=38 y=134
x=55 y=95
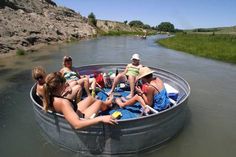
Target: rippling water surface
x=211 y=122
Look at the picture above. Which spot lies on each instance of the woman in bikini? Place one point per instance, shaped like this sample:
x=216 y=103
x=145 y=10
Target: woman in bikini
x=54 y=87
x=72 y=76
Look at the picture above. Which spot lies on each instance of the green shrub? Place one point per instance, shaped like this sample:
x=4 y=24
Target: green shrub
x=20 y=52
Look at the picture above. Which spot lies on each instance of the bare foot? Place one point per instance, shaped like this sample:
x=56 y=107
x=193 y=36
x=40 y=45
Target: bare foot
x=109 y=93
x=119 y=102
x=110 y=98
x=129 y=96
x=123 y=99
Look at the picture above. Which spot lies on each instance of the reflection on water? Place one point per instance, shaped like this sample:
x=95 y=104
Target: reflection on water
x=211 y=125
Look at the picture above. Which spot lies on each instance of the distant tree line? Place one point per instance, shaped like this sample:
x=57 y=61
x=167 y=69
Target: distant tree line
x=162 y=27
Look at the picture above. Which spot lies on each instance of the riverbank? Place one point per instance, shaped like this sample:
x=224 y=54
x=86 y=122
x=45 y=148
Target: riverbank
x=214 y=46
x=29 y=26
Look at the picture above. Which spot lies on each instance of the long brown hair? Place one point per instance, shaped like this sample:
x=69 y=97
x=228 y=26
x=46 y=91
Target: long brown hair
x=53 y=82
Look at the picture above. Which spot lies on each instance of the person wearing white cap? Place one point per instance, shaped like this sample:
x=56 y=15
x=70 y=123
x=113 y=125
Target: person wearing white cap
x=153 y=92
x=131 y=72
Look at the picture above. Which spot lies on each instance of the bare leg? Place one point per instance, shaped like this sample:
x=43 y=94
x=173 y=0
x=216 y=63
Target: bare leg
x=92 y=82
x=73 y=93
x=84 y=82
x=93 y=108
x=132 y=83
x=117 y=79
x=131 y=101
x=84 y=104
x=107 y=104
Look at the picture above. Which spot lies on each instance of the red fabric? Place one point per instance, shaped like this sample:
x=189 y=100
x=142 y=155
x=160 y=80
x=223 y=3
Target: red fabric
x=100 y=80
x=144 y=88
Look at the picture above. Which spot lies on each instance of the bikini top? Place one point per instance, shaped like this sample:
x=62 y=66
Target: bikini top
x=73 y=102
x=71 y=75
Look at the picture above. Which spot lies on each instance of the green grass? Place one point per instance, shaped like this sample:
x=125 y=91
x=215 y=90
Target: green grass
x=220 y=47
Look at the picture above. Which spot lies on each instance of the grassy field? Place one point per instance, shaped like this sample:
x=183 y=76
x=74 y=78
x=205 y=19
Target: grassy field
x=215 y=46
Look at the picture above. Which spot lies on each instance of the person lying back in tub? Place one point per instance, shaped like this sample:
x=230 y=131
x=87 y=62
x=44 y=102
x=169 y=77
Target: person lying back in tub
x=86 y=108
x=153 y=92
x=131 y=72
x=72 y=92
x=73 y=77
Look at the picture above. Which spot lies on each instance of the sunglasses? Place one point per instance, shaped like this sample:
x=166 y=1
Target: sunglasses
x=38 y=78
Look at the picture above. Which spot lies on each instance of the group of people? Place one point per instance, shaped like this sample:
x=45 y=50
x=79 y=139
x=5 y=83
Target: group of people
x=61 y=92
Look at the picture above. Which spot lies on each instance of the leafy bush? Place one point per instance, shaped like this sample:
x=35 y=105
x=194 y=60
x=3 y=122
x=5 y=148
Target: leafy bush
x=20 y=52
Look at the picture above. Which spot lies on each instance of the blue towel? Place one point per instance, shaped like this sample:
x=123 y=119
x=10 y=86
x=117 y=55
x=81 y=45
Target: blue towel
x=127 y=112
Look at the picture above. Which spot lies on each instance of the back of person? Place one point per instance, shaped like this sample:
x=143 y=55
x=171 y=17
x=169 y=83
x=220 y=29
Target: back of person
x=160 y=97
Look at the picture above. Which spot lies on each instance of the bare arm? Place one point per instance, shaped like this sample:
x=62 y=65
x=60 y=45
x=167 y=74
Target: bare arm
x=62 y=71
x=126 y=69
x=148 y=96
x=64 y=107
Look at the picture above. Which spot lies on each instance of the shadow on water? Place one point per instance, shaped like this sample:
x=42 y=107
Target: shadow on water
x=2 y=66
x=6 y=71
x=40 y=58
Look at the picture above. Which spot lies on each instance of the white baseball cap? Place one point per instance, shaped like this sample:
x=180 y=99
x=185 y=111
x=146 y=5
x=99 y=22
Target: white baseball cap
x=135 y=56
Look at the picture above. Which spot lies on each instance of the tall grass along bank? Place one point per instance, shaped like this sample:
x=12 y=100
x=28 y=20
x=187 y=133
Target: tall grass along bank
x=219 y=47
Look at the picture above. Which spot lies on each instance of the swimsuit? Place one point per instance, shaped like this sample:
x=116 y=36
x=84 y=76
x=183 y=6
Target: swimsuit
x=71 y=75
x=161 y=100
x=133 y=70
x=73 y=102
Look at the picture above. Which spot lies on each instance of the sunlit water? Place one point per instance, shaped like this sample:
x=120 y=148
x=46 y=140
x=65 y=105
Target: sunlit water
x=211 y=122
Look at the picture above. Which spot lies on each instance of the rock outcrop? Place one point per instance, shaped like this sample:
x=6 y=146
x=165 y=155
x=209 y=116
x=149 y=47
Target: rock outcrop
x=28 y=23
x=106 y=26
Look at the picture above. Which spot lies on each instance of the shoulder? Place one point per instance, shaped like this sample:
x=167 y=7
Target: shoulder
x=62 y=71
x=140 y=65
x=59 y=103
x=157 y=80
x=129 y=65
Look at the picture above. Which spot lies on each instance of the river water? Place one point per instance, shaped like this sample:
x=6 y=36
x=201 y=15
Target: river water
x=211 y=121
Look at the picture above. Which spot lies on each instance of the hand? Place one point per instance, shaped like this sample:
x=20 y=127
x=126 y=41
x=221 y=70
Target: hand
x=108 y=119
x=138 y=89
x=68 y=89
x=146 y=110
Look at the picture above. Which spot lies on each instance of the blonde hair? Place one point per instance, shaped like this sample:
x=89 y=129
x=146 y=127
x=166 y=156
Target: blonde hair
x=66 y=58
x=52 y=84
x=37 y=72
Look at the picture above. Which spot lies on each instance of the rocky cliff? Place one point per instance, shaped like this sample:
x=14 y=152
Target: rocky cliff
x=106 y=26
x=26 y=24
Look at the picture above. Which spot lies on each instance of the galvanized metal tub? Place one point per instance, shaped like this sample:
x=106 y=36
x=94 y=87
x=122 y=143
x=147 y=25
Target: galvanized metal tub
x=129 y=136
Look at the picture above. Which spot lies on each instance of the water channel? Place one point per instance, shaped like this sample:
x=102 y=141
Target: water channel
x=210 y=125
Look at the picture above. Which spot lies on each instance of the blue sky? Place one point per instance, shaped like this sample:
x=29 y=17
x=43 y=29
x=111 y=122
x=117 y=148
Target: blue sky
x=184 y=14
